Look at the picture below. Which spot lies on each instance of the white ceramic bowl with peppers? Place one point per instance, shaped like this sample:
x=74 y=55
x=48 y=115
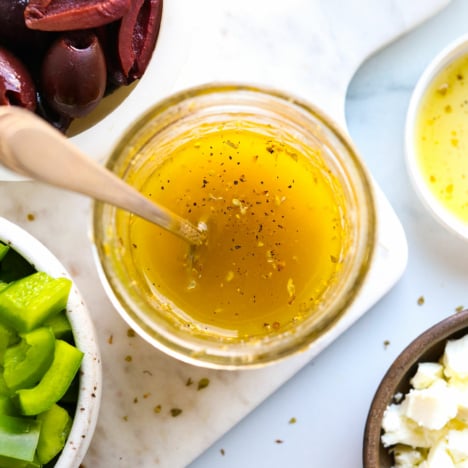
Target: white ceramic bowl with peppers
x=85 y=413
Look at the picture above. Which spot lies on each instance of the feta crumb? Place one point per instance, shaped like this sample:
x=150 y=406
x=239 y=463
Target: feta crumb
x=427 y=374
x=391 y=421
x=457 y=445
x=406 y=457
x=461 y=390
x=438 y=456
x=455 y=358
x=398 y=429
x=432 y=407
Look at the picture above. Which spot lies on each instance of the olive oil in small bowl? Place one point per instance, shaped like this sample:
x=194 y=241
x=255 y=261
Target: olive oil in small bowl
x=289 y=218
x=437 y=137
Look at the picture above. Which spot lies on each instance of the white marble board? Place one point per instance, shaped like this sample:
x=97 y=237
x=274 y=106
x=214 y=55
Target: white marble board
x=309 y=48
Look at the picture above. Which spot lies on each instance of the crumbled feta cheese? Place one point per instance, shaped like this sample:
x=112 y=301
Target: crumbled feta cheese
x=432 y=407
x=457 y=444
x=462 y=400
x=406 y=457
x=455 y=358
x=392 y=418
x=428 y=428
x=427 y=374
x=398 y=429
x=439 y=457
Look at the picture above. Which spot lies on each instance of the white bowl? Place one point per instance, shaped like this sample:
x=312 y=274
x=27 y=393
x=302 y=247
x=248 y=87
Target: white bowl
x=89 y=397
x=434 y=206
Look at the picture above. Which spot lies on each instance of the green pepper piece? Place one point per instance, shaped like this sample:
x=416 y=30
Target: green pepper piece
x=8 y=337
x=8 y=462
x=7 y=406
x=54 y=383
x=61 y=326
x=55 y=428
x=26 y=303
x=4 y=390
x=13 y=336
x=18 y=437
x=26 y=363
x=3 y=250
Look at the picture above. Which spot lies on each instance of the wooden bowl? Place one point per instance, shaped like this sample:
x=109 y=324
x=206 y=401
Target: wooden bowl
x=427 y=347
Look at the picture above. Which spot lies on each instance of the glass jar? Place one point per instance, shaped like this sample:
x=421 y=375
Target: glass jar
x=293 y=131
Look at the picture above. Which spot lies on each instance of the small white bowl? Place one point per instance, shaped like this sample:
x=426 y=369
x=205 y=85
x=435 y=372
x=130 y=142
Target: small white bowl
x=89 y=397
x=453 y=51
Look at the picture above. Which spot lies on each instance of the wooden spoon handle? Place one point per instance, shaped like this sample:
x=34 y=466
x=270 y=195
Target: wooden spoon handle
x=33 y=148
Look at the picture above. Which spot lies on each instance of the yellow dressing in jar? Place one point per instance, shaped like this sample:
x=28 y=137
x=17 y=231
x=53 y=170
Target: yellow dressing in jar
x=290 y=227
x=442 y=137
x=276 y=231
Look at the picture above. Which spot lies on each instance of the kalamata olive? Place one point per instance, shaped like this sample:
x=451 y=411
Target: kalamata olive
x=59 y=121
x=14 y=34
x=67 y=15
x=139 y=30
x=108 y=38
x=73 y=76
x=129 y=43
x=16 y=85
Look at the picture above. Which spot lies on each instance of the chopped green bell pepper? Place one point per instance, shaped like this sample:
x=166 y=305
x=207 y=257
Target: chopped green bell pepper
x=8 y=462
x=25 y=363
x=29 y=301
x=55 y=382
x=18 y=437
x=4 y=390
x=3 y=250
x=61 y=326
x=55 y=427
x=8 y=337
x=7 y=407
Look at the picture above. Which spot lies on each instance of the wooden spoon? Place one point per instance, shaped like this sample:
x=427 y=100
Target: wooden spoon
x=33 y=148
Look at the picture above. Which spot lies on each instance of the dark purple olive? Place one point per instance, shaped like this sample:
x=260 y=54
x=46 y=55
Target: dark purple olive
x=15 y=35
x=59 y=121
x=16 y=85
x=129 y=43
x=138 y=33
x=73 y=75
x=70 y=15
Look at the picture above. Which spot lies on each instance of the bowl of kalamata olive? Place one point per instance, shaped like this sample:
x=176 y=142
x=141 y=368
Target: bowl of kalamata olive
x=90 y=67
x=59 y=58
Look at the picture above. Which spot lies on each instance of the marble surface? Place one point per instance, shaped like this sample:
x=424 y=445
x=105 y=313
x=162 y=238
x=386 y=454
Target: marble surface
x=319 y=45
x=330 y=396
